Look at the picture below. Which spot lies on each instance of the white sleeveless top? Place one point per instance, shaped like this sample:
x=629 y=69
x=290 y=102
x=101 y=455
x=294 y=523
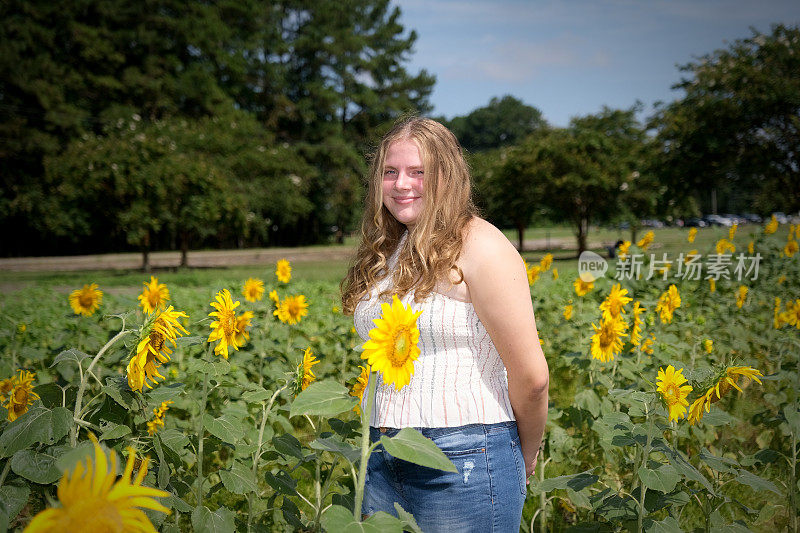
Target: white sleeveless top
x=458 y=378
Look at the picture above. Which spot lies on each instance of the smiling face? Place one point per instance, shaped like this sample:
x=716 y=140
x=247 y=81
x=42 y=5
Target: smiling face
x=403 y=181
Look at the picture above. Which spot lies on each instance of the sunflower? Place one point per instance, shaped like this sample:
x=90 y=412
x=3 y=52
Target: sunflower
x=669 y=301
x=692 y=235
x=253 y=289
x=721 y=385
x=645 y=242
x=724 y=245
x=622 y=251
x=568 y=312
x=225 y=324
x=607 y=339
x=546 y=262
x=582 y=287
x=614 y=304
x=305 y=376
x=154 y=296
x=86 y=300
x=732 y=231
x=273 y=295
x=153 y=347
x=283 y=270
x=792 y=314
x=292 y=309
x=392 y=345
x=791 y=248
x=638 y=322
x=158 y=420
x=6 y=386
x=690 y=255
x=92 y=501
x=533 y=274
x=781 y=279
x=708 y=345
x=359 y=387
x=772 y=226
x=712 y=284
x=741 y=296
x=555 y=274
x=647 y=345
x=673 y=391
x=751 y=248
x=242 y=323
x=20 y=395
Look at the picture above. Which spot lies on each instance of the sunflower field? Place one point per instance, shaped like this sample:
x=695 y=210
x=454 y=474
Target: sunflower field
x=232 y=405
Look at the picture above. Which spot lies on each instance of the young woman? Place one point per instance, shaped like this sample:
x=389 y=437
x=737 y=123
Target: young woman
x=479 y=388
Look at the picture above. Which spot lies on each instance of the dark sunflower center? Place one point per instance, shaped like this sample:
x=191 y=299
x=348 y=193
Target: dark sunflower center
x=156 y=340
x=228 y=323
x=401 y=347
x=86 y=300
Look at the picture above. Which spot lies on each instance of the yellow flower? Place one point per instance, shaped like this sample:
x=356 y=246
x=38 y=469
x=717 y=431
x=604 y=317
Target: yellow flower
x=567 y=312
x=670 y=384
x=777 y=316
x=225 y=324
x=732 y=231
x=791 y=248
x=304 y=372
x=273 y=295
x=614 y=304
x=154 y=296
x=22 y=327
x=92 y=501
x=546 y=262
x=712 y=284
x=692 y=235
x=533 y=274
x=741 y=296
x=622 y=251
x=242 y=323
x=607 y=339
x=690 y=255
x=86 y=300
x=555 y=274
x=292 y=309
x=253 y=289
x=722 y=384
x=724 y=245
x=645 y=242
x=751 y=248
x=6 y=386
x=772 y=226
x=708 y=345
x=582 y=287
x=781 y=279
x=284 y=271
x=158 y=420
x=392 y=345
x=792 y=314
x=153 y=348
x=647 y=345
x=669 y=301
x=20 y=394
x=359 y=387
x=638 y=322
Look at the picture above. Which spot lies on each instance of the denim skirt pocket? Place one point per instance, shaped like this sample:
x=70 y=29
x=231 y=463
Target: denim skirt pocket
x=519 y=460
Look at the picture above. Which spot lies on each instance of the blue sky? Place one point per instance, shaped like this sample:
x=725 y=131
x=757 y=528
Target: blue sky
x=570 y=58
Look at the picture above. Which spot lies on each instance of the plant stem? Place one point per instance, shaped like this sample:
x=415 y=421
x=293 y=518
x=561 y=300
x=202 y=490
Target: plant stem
x=5 y=471
x=542 y=502
x=793 y=486
x=265 y=410
x=200 y=431
x=645 y=457
x=317 y=482
x=84 y=379
x=365 y=446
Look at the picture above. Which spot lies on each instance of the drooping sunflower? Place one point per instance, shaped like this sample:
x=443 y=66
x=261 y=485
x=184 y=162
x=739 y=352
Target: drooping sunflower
x=153 y=347
x=669 y=301
x=647 y=345
x=614 y=304
x=283 y=270
x=723 y=382
x=224 y=327
x=568 y=312
x=622 y=251
x=708 y=345
x=792 y=314
x=158 y=418
x=533 y=274
x=92 y=501
x=692 y=235
x=6 y=386
x=242 y=323
x=732 y=231
x=638 y=322
x=292 y=309
x=21 y=395
x=724 y=245
x=154 y=296
x=546 y=262
x=392 y=345
x=741 y=296
x=771 y=226
x=304 y=373
x=712 y=284
x=253 y=289
x=645 y=242
x=359 y=387
x=670 y=383
x=582 y=287
x=607 y=339
x=555 y=273
x=86 y=300
x=791 y=248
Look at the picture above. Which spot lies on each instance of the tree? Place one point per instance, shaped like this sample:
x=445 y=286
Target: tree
x=504 y=122
x=736 y=129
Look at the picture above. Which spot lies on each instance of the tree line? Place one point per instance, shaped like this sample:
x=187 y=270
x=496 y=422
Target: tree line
x=171 y=125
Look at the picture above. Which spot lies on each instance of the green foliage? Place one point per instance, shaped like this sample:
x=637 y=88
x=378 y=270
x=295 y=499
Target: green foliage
x=503 y=122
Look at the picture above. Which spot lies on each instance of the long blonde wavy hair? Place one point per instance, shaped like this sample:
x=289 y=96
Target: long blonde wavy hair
x=435 y=240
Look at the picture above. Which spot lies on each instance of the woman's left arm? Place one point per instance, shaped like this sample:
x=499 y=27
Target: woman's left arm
x=498 y=287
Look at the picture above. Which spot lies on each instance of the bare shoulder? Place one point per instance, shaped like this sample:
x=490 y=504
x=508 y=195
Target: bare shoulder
x=486 y=246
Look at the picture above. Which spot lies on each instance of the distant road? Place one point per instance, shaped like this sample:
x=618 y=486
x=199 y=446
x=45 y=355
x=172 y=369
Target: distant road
x=217 y=258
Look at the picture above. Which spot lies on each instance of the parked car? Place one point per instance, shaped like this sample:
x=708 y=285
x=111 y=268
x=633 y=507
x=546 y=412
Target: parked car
x=651 y=223
x=753 y=218
x=695 y=222
x=781 y=217
x=717 y=220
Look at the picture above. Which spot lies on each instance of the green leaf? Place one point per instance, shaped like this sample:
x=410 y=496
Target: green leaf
x=114 y=431
x=615 y=508
x=69 y=459
x=757 y=483
x=191 y=340
x=13 y=498
x=410 y=445
x=71 y=355
x=335 y=444
x=226 y=428
x=718 y=417
x=323 y=398
x=39 y=424
x=163 y=474
x=174 y=502
x=239 y=479
x=281 y=482
x=117 y=388
x=220 y=521
x=589 y=400
x=257 y=395
x=409 y=523
x=174 y=440
x=286 y=444
x=720 y=464
x=663 y=479
x=792 y=414
x=575 y=482
x=163 y=393
x=339 y=519
x=668 y=525
x=37 y=467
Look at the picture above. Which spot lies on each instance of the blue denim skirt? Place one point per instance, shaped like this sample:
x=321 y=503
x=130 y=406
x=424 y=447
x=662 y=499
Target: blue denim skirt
x=486 y=495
